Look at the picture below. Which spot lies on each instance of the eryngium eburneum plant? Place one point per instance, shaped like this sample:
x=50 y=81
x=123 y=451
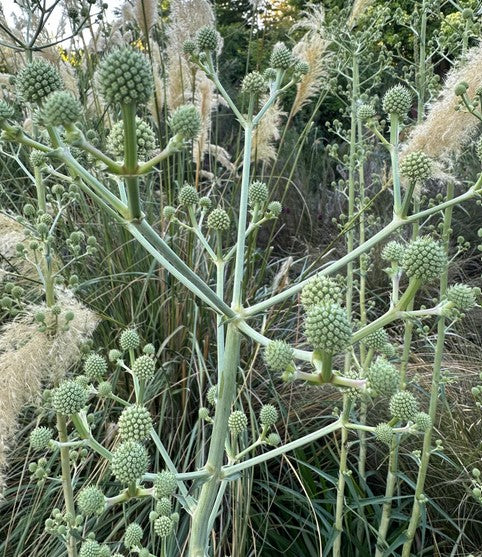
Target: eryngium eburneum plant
x=331 y=331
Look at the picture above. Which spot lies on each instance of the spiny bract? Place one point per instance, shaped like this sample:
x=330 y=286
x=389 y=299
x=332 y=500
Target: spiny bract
x=37 y=80
x=424 y=259
x=328 y=328
x=135 y=423
x=129 y=462
x=403 y=405
x=91 y=501
x=320 y=289
x=61 y=109
x=125 y=77
x=69 y=398
x=145 y=138
x=416 y=166
x=278 y=355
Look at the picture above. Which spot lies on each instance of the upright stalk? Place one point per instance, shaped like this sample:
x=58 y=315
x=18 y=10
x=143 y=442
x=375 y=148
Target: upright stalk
x=130 y=160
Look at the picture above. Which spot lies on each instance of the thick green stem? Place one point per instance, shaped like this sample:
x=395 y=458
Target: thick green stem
x=226 y=393
x=394 y=133
x=340 y=488
x=434 y=393
x=67 y=481
x=130 y=160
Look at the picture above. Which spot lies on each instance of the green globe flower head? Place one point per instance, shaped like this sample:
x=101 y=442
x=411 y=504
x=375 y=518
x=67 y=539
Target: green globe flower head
x=133 y=535
x=95 y=367
x=384 y=434
x=104 y=389
x=205 y=203
x=273 y=439
x=37 y=80
x=274 y=208
x=135 y=423
x=164 y=507
x=462 y=296
x=186 y=122
x=145 y=138
x=281 y=57
x=301 y=68
x=91 y=501
x=268 y=415
x=165 y=484
x=129 y=340
x=424 y=259
x=144 y=367
x=461 y=88
x=69 y=398
x=211 y=395
x=129 y=462
x=403 y=406
x=269 y=74
x=163 y=526
x=168 y=212
x=188 y=47
x=478 y=149
x=237 y=422
x=90 y=548
x=393 y=252
x=328 y=328
x=253 y=83
x=37 y=158
x=278 y=355
x=207 y=39
x=366 y=111
x=377 y=340
x=416 y=166
x=258 y=193
x=320 y=290
x=383 y=378
x=124 y=77
x=423 y=421
x=203 y=413
x=397 y=100
x=61 y=109
x=218 y=219
x=40 y=438
x=115 y=355
x=353 y=393
x=6 y=110
x=188 y=196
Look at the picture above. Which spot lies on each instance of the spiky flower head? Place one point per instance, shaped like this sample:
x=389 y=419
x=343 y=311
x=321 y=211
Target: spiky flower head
x=168 y=212
x=135 y=423
x=212 y=395
x=115 y=355
x=424 y=259
x=268 y=415
x=144 y=367
x=393 y=251
x=6 y=110
x=366 y=111
x=377 y=340
x=273 y=439
x=383 y=378
x=269 y=74
x=207 y=39
x=397 y=100
x=133 y=535
x=145 y=138
x=237 y=422
x=95 y=367
x=163 y=526
x=40 y=438
x=383 y=433
x=462 y=296
x=403 y=406
x=129 y=340
x=37 y=158
x=125 y=77
x=301 y=67
x=186 y=121
x=61 y=109
x=281 y=57
x=416 y=166
x=203 y=413
x=205 y=203
x=90 y=548
x=164 y=506
x=218 y=219
x=353 y=393
x=478 y=149
x=253 y=83
x=275 y=208
x=188 y=47
x=165 y=484
x=423 y=421
x=69 y=398
x=258 y=193
x=188 y=195
x=91 y=501
x=129 y=462
x=328 y=328
x=37 y=80
x=320 y=289
x=278 y=355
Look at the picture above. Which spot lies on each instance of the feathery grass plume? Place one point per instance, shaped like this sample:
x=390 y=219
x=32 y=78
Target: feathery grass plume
x=359 y=7
x=267 y=133
x=29 y=357
x=157 y=99
x=445 y=130
x=12 y=233
x=145 y=14
x=311 y=49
